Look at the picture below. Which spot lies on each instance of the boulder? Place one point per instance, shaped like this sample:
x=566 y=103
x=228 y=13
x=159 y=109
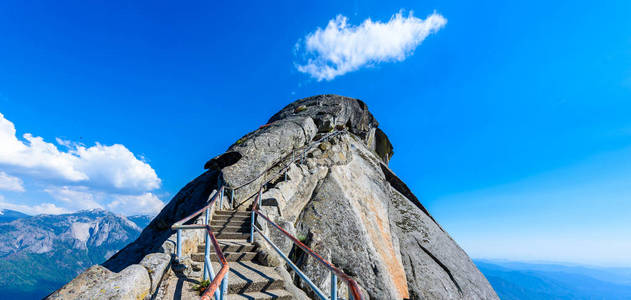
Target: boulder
x=82 y=283
x=156 y=265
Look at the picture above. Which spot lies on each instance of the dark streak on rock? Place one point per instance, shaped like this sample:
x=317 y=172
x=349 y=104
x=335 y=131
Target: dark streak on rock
x=442 y=266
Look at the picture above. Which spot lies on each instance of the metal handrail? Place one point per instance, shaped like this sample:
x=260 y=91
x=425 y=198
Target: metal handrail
x=353 y=286
x=222 y=275
x=223 y=272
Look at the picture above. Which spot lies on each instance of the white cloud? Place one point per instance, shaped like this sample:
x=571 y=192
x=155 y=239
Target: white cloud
x=145 y=204
x=108 y=167
x=76 y=198
x=341 y=48
x=44 y=208
x=10 y=183
x=81 y=197
x=76 y=177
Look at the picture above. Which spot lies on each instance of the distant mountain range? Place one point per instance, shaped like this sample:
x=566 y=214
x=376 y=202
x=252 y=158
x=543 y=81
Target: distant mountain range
x=141 y=220
x=7 y=215
x=38 y=254
x=517 y=280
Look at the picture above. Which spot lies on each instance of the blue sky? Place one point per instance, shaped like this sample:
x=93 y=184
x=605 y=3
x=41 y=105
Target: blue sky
x=510 y=122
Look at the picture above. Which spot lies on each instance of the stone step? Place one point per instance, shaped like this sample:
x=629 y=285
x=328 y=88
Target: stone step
x=230 y=256
x=247 y=277
x=231 y=213
x=218 y=225
x=232 y=235
x=221 y=223
x=218 y=229
x=270 y=294
x=240 y=219
x=231 y=246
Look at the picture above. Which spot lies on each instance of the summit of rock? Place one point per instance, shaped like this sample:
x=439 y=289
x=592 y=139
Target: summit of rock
x=322 y=164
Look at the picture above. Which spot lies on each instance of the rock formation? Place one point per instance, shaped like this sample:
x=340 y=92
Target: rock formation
x=323 y=163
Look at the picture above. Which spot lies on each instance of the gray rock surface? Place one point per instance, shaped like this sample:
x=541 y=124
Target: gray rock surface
x=82 y=283
x=132 y=283
x=338 y=196
x=156 y=265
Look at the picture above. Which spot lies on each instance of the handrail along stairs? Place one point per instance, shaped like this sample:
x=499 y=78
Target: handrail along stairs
x=222 y=275
x=335 y=272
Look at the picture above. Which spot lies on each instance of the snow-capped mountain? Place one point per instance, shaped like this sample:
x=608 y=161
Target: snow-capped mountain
x=40 y=253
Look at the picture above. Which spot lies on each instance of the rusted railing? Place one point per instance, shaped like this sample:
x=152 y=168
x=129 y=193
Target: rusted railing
x=354 y=291
x=222 y=275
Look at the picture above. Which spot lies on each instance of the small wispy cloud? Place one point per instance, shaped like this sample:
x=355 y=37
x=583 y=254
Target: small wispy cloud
x=43 y=208
x=10 y=183
x=341 y=48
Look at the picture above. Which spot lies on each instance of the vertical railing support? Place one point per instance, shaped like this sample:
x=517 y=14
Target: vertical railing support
x=260 y=196
x=252 y=227
x=221 y=199
x=179 y=244
x=231 y=198
x=333 y=286
x=207 y=216
x=224 y=287
x=207 y=268
x=207 y=246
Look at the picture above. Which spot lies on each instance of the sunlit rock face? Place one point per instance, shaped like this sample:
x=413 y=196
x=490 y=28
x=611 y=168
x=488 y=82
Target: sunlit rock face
x=342 y=199
x=338 y=195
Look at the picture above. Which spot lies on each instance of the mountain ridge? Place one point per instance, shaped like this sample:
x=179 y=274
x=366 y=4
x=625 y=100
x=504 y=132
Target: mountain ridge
x=56 y=248
x=8 y=215
x=521 y=280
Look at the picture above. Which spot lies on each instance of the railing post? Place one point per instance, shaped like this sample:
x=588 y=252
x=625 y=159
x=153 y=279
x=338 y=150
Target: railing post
x=231 y=198
x=221 y=199
x=206 y=270
x=252 y=227
x=179 y=244
x=260 y=196
x=207 y=217
x=224 y=286
x=333 y=286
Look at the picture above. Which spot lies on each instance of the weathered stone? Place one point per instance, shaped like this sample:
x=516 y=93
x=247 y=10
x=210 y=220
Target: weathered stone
x=319 y=275
x=82 y=283
x=349 y=211
x=99 y=283
x=156 y=264
x=437 y=267
x=300 y=108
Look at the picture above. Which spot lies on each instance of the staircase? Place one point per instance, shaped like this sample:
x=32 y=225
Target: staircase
x=247 y=278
